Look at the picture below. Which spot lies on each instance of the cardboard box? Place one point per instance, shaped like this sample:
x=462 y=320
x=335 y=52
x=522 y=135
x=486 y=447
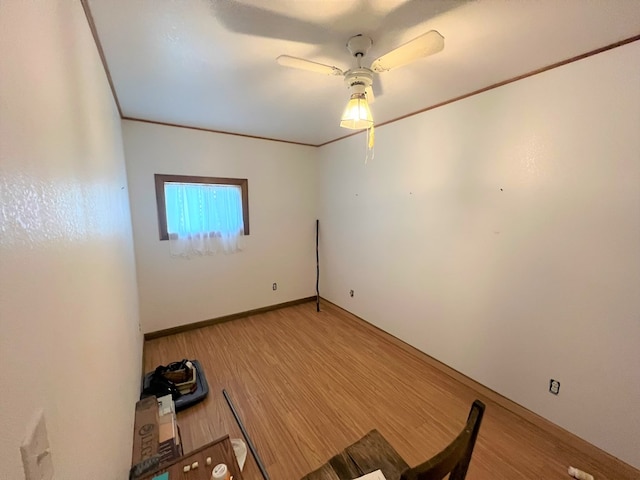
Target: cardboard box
x=145 y=430
x=154 y=434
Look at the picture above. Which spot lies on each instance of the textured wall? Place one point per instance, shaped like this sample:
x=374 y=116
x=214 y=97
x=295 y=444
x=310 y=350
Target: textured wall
x=500 y=234
x=69 y=341
x=282 y=211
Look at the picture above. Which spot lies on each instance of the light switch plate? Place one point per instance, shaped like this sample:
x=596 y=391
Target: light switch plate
x=35 y=451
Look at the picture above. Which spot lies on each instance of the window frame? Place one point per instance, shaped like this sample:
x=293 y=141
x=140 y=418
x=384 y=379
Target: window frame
x=161 y=179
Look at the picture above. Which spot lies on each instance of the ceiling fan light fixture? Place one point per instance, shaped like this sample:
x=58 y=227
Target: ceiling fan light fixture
x=357 y=115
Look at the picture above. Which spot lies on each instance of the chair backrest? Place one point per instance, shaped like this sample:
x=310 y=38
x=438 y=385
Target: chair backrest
x=455 y=458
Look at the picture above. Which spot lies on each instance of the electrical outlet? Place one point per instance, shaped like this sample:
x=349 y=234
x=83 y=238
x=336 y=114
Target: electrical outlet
x=275 y=286
x=554 y=386
x=36 y=455
x=351 y=293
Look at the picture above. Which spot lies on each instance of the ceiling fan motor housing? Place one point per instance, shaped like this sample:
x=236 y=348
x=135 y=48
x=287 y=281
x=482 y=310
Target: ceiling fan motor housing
x=358 y=79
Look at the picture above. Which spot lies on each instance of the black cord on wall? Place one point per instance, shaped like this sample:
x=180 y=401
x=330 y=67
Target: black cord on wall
x=317 y=268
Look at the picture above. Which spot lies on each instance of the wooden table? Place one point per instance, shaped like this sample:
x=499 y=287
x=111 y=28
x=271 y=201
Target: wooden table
x=220 y=451
x=372 y=452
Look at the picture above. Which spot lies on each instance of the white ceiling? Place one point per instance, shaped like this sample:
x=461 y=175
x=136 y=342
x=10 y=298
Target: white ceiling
x=211 y=63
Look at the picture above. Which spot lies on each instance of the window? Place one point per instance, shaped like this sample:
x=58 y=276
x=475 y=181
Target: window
x=201 y=210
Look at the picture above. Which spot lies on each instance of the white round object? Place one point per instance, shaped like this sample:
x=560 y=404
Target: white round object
x=220 y=472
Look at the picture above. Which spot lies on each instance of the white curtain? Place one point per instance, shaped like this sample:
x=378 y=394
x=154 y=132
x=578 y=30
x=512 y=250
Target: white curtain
x=203 y=219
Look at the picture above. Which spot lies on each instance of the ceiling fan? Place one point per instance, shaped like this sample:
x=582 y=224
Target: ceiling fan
x=359 y=80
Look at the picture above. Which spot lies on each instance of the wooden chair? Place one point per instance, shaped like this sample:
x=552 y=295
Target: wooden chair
x=373 y=452
x=455 y=458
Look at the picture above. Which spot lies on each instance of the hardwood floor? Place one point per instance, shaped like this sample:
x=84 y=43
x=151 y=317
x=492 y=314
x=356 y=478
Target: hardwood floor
x=308 y=384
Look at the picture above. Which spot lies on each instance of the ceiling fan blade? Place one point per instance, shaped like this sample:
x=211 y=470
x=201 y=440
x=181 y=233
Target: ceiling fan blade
x=302 y=64
x=420 y=47
x=369 y=94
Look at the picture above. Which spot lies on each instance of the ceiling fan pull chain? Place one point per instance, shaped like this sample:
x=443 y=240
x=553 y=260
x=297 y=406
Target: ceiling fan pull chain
x=370 y=144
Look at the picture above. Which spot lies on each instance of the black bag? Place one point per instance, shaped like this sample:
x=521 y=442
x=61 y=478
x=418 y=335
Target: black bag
x=159 y=385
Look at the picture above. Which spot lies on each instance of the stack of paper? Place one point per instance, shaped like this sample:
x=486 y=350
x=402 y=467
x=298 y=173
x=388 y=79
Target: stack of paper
x=168 y=437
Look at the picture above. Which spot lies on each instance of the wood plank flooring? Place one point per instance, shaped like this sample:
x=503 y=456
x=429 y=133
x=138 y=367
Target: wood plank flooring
x=308 y=384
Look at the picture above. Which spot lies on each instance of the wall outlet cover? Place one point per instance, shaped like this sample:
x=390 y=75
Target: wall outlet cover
x=554 y=386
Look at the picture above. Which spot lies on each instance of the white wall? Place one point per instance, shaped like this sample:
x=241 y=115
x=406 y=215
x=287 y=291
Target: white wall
x=501 y=235
x=282 y=210
x=69 y=336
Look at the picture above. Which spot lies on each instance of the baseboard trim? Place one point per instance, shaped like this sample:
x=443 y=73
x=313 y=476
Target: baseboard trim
x=225 y=318
x=602 y=457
